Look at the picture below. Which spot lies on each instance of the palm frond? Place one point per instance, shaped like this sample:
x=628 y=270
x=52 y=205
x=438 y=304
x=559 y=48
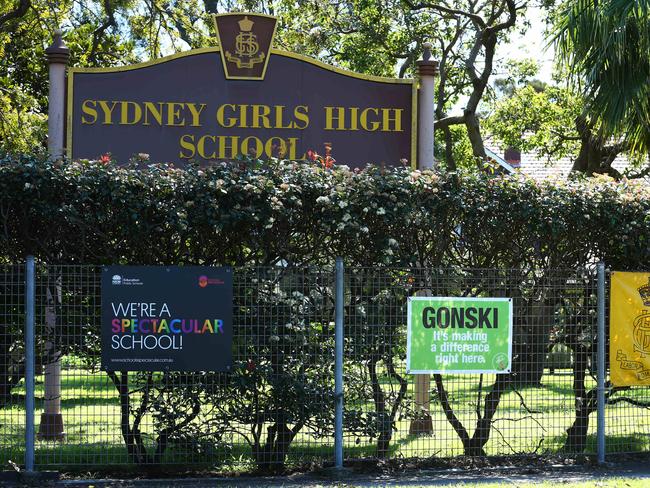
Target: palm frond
x=606 y=46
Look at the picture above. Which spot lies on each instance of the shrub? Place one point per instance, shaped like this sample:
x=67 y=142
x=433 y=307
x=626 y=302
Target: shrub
x=246 y=214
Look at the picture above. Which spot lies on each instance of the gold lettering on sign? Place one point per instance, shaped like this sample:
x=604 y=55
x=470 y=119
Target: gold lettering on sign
x=221 y=118
x=395 y=119
x=150 y=109
x=370 y=119
x=330 y=117
x=124 y=113
x=108 y=111
x=228 y=143
x=88 y=108
x=257 y=116
x=372 y=125
x=213 y=147
x=261 y=118
x=127 y=112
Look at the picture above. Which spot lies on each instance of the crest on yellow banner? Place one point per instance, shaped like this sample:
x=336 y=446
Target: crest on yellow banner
x=630 y=329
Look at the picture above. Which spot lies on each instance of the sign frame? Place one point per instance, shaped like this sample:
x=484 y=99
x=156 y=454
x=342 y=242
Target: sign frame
x=273 y=52
x=132 y=295
x=409 y=338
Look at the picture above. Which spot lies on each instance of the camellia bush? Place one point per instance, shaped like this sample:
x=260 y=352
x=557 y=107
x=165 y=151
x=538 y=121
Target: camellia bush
x=292 y=214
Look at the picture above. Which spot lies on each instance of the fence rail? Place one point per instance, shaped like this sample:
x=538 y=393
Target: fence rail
x=281 y=402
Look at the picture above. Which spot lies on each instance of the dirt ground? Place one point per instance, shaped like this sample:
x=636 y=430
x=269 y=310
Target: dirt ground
x=390 y=474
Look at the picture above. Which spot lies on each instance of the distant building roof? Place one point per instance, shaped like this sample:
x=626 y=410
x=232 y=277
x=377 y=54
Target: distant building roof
x=535 y=166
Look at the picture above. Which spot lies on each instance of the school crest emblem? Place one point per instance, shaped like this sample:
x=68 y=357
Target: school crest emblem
x=245 y=41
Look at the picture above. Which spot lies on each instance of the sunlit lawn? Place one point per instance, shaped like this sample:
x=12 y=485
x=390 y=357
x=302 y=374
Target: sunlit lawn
x=91 y=413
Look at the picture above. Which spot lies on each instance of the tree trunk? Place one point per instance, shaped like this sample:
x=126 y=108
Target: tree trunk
x=576 y=440
x=481 y=436
x=532 y=343
x=11 y=372
x=272 y=455
x=474 y=133
x=449 y=150
x=384 y=426
x=474 y=446
x=132 y=438
x=595 y=155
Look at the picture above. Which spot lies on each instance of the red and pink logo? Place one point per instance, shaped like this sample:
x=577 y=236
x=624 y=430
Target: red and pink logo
x=205 y=281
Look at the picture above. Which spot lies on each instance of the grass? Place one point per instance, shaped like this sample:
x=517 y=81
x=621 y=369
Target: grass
x=91 y=413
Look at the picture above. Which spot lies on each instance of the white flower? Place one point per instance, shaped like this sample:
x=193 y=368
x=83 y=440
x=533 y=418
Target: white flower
x=381 y=211
x=276 y=203
x=323 y=200
x=347 y=217
x=343 y=204
x=364 y=229
x=392 y=242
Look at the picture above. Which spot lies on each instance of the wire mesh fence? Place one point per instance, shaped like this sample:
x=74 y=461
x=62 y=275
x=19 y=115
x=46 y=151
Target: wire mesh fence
x=12 y=354
x=627 y=426
x=530 y=410
x=276 y=405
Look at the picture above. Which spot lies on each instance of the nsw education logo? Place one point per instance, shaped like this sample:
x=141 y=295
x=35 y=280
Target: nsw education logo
x=120 y=280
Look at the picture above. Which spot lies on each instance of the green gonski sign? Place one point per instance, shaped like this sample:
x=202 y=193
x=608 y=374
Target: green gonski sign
x=459 y=335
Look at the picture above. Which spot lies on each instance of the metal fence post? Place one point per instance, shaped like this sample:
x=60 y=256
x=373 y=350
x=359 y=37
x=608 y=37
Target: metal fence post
x=338 y=367
x=29 y=364
x=601 y=364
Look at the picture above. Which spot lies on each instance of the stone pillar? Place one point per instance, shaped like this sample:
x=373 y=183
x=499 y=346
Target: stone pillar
x=421 y=424
x=51 y=426
x=427 y=70
x=58 y=55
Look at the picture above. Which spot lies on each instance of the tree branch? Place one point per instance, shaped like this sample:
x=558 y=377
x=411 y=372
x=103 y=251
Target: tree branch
x=18 y=12
x=109 y=21
x=449 y=121
x=477 y=19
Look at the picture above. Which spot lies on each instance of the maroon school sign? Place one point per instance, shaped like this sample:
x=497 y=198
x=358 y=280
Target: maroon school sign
x=241 y=98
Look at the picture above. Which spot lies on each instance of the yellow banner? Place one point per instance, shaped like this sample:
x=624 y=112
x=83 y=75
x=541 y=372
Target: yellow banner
x=629 y=313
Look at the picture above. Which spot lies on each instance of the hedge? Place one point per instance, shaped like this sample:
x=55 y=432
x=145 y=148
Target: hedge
x=252 y=214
